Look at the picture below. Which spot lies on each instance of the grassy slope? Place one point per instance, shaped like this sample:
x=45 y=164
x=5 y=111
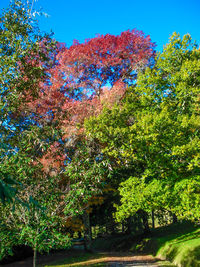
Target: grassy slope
x=179 y=243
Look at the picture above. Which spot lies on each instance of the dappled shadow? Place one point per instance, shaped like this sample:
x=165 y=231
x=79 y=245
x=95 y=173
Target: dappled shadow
x=171 y=229
x=184 y=238
x=174 y=234
x=44 y=259
x=112 y=259
x=172 y=252
x=187 y=237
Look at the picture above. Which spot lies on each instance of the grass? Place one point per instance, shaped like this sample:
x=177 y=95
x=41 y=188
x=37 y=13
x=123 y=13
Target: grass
x=83 y=259
x=179 y=243
x=165 y=264
x=183 y=251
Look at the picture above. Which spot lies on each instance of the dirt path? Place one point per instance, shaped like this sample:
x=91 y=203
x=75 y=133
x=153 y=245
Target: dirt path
x=128 y=260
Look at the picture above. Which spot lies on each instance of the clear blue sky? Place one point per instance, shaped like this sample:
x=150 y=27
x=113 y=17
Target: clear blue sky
x=79 y=19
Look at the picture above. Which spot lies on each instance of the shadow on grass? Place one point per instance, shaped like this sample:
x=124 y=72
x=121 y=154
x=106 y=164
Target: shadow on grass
x=83 y=259
x=102 y=260
x=175 y=233
x=175 y=229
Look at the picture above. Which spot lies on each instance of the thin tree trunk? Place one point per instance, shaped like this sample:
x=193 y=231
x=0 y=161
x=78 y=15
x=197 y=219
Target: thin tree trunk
x=144 y=216
x=110 y=227
x=175 y=220
x=123 y=227
x=153 y=219
x=129 y=224
x=87 y=230
x=34 y=257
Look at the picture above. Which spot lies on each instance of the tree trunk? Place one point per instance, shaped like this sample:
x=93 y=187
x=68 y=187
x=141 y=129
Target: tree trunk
x=144 y=216
x=110 y=226
x=129 y=225
x=175 y=220
x=34 y=257
x=123 y=227
x=153 y=219
x=87 y=230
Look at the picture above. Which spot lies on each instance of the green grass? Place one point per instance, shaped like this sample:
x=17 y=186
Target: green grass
x=83 y=259
x=179 y=243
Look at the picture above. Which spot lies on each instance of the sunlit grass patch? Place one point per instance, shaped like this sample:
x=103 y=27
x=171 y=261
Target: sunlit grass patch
x=182 y=250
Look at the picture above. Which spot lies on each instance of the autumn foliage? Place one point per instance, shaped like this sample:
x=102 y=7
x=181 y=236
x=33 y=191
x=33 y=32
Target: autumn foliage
x=92 y=74
x=103 y=61
x=88 y=76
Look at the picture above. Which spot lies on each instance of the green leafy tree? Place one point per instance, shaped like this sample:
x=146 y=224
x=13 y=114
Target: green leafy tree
x=85 y=176
x=25 y=56
x=35 y=218
x=37 y=224
x=156 y=131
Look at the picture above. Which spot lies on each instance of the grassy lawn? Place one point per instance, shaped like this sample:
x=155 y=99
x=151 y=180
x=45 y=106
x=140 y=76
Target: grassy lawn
x=85 y=259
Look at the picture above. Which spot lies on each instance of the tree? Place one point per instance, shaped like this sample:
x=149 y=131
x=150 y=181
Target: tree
x=37 y=224
x=71 y=93
x=25 y=56
x=32 y=215
x=91 y=73
x=75 y=91
x=156 y=130
x=104 y=60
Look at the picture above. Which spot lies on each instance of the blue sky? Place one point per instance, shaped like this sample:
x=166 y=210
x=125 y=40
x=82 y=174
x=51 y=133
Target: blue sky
x=79 y=19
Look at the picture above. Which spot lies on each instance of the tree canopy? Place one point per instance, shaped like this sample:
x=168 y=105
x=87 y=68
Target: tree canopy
x=156 y=130
x=104 y=120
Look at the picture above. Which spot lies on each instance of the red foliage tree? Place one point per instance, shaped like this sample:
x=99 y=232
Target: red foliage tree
x=102 y=61
x=98 y=71
x=94 y=72
x=89 y=75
